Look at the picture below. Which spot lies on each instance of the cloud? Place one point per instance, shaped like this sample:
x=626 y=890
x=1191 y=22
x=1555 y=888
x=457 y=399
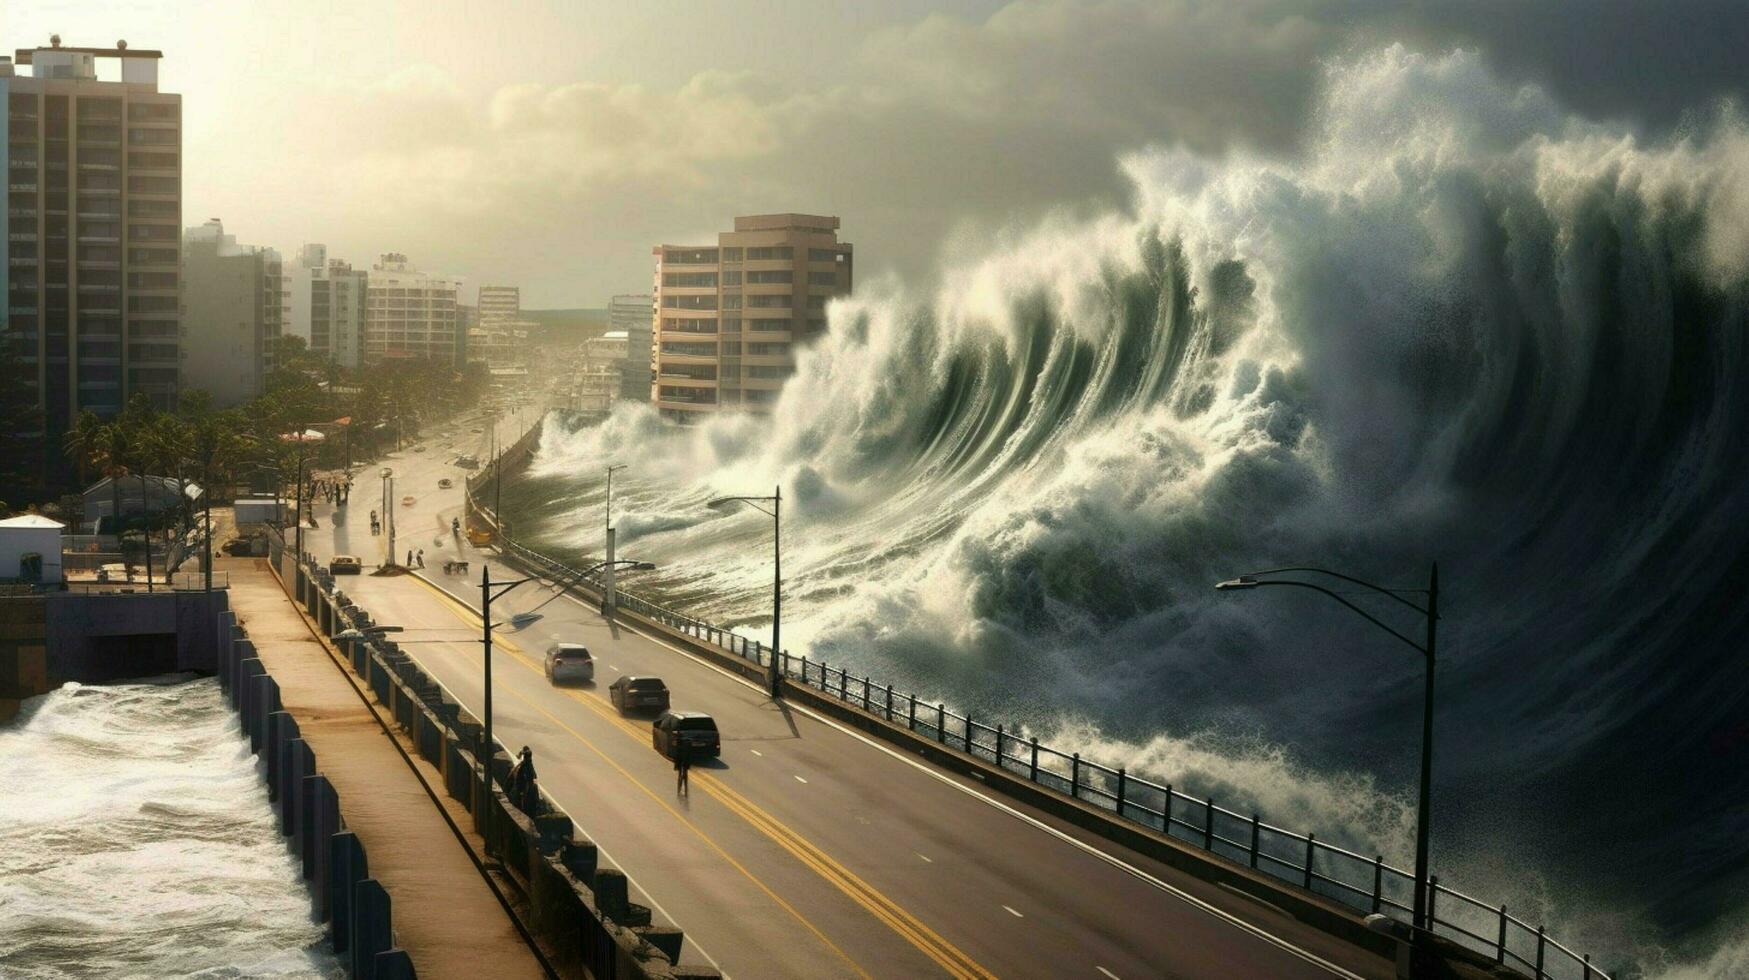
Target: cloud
x=944 y=123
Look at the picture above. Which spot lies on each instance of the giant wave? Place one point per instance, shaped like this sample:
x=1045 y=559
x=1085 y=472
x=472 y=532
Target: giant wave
x=1461 y=324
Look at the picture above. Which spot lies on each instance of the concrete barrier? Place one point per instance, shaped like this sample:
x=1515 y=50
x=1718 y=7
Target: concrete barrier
x=347 y=866
x=279 y=724
x=300 y=765
x=372 y=932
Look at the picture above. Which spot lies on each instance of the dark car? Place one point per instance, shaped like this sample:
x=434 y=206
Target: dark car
x=697 y=728
x=638 y=693
x=569 y=662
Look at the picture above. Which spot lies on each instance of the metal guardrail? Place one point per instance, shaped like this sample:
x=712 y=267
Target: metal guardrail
x=1364 y=884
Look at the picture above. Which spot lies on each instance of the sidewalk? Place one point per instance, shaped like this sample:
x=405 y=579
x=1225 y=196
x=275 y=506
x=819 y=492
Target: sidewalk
x=446 y=916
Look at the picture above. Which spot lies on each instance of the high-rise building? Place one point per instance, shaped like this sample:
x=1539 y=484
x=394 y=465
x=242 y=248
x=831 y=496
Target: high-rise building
x=409 y=313
x=327 y=304
x=728 y=318
x=93 y=199
x=233 y=309
x=629 y=314
x=499 y=304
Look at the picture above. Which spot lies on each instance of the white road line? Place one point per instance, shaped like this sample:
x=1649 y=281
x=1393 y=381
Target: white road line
x=1012 y=912
x=925 y=857
x=800 y=780
x=1108 y=973
x=757 y=753
x=1075 y=842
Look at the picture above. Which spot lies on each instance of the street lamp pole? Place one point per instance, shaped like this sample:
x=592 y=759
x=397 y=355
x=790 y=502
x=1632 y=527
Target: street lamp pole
x=774 y=672
x=608 y=509
x=1428 y=649
x=388 y=474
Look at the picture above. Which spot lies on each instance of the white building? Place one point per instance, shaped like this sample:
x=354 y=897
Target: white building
x=327 y=305
x=409 y=313
x=631 y=316
x=232 y=308
x=30 y=548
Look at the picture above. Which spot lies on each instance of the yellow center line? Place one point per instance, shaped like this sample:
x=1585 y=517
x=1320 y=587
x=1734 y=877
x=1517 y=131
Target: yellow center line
x=889 y=912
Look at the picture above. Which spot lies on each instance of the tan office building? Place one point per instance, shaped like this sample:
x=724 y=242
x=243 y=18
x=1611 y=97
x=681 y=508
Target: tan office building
x=93 y=204
x=728 y=318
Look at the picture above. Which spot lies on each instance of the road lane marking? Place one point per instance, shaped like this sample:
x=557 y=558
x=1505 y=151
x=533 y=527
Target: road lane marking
x=520 y=657
x=1011 y=911
x=926 y=858
x=1114 y=861
x=894 y=916
x=757 y=753
x=1108 y=973
x=801 y=780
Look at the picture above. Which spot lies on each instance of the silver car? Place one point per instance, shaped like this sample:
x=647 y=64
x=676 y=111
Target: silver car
x=570 y=663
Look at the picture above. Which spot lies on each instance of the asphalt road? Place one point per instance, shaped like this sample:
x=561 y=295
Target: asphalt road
x=808 y=850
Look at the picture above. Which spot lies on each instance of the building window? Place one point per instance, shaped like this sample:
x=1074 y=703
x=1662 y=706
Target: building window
x=816 y=302
x=769 y=325
x=776 y=300
x=772 y=276
x=154 y=111
x=690 y=302
x=767 y=350
x=768 y=372
x=732 y=278
x=154 y=185
x=774 y=252
x=822 y=278
x=672 y=324
x=824 y=255
x=150 y=137
x=690 y=256
x=152 y=161
x=731 y=255
x=731 y=301
x=697 y=279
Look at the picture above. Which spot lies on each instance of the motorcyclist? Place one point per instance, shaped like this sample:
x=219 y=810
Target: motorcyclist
x=455 y=525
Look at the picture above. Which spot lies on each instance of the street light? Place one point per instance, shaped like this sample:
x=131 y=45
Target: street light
x=608 y=509
x=388 y=474
x=774 y=674
x=487 y=596
x=1424 y=808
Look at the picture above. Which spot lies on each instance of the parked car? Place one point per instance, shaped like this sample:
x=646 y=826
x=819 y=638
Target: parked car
x=569 y=663
x=445 y=483
x=695 y=727
x=638 y=693
x=343 y=565
x=467 y=462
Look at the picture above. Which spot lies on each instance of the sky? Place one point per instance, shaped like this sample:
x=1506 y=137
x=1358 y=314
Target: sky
x=551 y=144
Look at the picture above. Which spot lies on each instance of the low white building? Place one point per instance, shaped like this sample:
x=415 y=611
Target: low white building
x=30 y=548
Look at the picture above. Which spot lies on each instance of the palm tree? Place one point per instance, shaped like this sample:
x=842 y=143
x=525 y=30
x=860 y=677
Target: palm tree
x=111 y=449
x=168 y=445
x=81 y=443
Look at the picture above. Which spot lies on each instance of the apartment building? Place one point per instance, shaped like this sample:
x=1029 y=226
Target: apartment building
x=499 y=304
x=233 y=308
x=409 y=313
x=629 y=315
x=327 y=304
x=728 y=318
x=93 y=204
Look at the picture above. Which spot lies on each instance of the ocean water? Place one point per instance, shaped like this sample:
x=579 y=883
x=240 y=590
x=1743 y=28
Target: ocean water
x=136 y=840
x=1462 y=324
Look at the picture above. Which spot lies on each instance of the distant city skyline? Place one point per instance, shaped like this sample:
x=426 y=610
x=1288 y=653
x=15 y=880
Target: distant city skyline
x=547 y=144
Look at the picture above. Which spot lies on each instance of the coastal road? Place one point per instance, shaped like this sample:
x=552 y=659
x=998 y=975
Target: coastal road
x=807 y=850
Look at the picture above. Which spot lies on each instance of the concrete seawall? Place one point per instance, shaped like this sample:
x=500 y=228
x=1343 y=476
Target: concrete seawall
x=577 y=907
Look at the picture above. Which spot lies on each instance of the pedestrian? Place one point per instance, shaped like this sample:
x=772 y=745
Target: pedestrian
x=682 y=764
x=523 y=788
x=409 y=557
x=421 y=557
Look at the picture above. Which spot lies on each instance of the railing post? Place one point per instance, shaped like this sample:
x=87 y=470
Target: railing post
x=804 y=670
x=1166 y=813
x=968 y=733
x=1432 y=893
x=865 y=701
x=1378 y=893
x=1121 y=779
x=1542 y=936
x=1032 y=773
x=941 y=723
x=843 y=684
x=1255 y=829
x=1500 y=943
x=1311 y=852
x=1587 y=966
x=911 y=716
x=1208 y=824
x=785 y=664
x=1075 y=776
x=889 y=702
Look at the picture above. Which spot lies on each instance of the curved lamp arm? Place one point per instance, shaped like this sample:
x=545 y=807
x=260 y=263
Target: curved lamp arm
x=1381 y=590
x=1247 y=582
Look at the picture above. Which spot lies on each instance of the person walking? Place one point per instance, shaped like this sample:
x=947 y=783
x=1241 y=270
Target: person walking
x=682 y=765
x=409 y=557
x=421 y=557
